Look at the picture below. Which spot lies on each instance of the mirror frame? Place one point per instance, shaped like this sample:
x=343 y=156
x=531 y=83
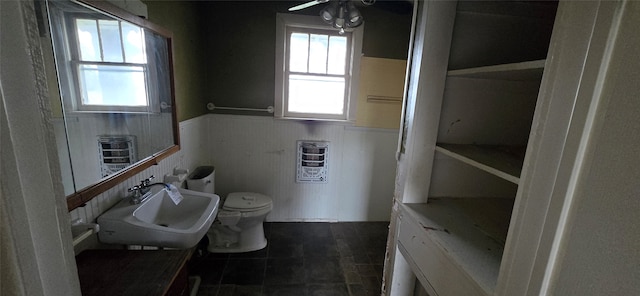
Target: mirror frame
x=81 y=197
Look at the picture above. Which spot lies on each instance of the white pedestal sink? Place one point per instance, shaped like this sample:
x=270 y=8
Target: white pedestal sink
x=158 y=221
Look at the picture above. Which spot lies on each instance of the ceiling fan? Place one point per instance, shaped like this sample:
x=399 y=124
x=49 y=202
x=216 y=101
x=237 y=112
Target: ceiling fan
x=340 y=14
x=306 y=5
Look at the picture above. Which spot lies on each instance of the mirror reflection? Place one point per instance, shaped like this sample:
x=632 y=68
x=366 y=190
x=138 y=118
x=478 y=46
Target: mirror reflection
x=115 y=93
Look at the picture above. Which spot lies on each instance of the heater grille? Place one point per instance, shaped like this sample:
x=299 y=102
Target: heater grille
x=312 y=162
x=116 y=153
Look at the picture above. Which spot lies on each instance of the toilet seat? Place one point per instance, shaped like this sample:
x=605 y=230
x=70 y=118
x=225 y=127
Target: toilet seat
x=247 y=202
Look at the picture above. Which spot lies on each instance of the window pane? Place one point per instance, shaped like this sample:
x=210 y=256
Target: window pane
x=318 y=54
x=298 y=52
x=111 y=45
x=112 y=85
x=133 y=42
x=337 y=55
x=88 y=43
x=316 y=94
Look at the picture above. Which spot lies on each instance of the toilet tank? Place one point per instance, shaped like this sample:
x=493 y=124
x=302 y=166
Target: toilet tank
x=202 y=179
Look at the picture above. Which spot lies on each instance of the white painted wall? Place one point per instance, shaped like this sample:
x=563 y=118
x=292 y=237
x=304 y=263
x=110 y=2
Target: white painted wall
x=254 y=153
x=36 y=256
x=368 y=174
x=598 y=253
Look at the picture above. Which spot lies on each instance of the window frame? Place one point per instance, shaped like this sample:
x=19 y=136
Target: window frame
x=285 y=23
x=74 y=101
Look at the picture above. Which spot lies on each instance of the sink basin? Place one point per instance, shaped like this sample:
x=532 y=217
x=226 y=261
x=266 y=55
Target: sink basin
x=158 y=221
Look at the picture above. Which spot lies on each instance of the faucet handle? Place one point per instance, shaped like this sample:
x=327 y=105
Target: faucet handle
x=134 y=188
x=146 y=181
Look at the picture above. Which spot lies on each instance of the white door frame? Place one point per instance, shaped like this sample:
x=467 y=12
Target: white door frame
x=37 y=253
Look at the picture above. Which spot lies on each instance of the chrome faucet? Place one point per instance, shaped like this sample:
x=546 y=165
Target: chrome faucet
x=141 y=191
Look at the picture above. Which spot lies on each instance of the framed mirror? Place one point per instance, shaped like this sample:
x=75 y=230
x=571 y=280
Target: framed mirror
x=115 y=102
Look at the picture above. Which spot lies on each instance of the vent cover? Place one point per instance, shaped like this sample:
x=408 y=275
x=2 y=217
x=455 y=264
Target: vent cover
x=116 y=153
x=312 y=162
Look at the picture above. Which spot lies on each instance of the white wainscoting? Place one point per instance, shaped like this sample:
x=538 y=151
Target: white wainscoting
x=254 y=153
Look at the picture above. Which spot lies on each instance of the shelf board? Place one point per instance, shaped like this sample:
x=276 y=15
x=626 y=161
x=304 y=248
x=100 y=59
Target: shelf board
x=470 y=232
x=502 y=161
x=523 y=71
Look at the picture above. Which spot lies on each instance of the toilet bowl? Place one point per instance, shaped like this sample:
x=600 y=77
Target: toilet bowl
x=239 y=224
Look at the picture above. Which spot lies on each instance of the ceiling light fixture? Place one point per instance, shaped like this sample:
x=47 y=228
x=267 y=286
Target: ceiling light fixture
x=341 y=14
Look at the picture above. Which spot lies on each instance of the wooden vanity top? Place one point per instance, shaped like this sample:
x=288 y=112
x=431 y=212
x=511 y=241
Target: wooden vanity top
x=129 y=272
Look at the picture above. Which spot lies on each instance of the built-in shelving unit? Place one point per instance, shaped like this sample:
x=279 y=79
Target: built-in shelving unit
x=529 y=70
x=470 y=232
x=502 y=161
x=453 y=244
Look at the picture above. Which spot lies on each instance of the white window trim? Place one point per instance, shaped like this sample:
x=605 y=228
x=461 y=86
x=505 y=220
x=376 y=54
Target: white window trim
x=355 y=52
x=75 y=61
x=73 y=101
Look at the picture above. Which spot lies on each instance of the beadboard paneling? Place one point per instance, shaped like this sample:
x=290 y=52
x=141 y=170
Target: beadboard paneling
x=253 y=153
x=258 y=154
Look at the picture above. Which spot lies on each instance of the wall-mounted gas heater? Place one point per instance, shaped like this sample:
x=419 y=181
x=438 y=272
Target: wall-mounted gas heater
x=312 y=162
x=116 y=153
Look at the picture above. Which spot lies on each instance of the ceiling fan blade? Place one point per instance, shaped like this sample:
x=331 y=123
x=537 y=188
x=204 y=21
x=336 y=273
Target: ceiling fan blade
x=308 y=4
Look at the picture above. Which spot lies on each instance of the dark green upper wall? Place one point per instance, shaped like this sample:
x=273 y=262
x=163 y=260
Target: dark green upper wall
x=183 y=19
x=387 y=28
x=240 y=55
x=224 y=51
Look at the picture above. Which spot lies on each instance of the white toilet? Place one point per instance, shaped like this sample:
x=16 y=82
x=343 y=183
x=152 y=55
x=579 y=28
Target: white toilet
x=239 y=224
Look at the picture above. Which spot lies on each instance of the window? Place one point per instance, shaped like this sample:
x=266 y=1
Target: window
x=106 y=65
x=110 y=64
x=316 y=69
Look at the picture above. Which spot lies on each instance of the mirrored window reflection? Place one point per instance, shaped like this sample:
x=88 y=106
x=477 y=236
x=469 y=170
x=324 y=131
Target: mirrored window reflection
x=111 y=64
x=115 y=93
x=88 y=40
x=133 y=43
x=111 y=85
x=111 y=41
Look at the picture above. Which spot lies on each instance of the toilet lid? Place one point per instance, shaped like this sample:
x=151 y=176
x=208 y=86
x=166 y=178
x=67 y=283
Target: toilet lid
x=246 y=201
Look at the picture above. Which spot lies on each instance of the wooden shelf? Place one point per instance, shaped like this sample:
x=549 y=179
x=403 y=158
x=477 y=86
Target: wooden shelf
x=523 y=71
x=502 y=161
x=466 y=233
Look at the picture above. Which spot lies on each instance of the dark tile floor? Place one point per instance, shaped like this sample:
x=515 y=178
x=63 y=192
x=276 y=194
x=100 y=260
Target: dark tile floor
x=312 y=259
